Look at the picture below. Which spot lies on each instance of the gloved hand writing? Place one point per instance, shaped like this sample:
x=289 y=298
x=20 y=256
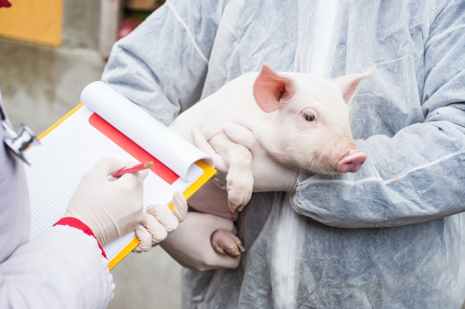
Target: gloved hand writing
x=110 y=209
x=268 y=174
x=190 y=244
x=159 y=221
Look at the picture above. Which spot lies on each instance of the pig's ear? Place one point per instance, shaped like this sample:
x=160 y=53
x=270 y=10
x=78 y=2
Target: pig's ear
x=348 y=83
x=270 y=89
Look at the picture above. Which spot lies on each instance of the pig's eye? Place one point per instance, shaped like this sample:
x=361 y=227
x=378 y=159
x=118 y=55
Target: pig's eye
x=309 y=117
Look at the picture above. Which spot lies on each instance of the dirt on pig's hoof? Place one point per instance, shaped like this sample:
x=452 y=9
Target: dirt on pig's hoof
x=226 y=243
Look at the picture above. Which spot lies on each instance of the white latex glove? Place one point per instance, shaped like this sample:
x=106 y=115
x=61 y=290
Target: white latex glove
x=190 y=244
x=159 y=221
x=269 y=175
x=110 y=208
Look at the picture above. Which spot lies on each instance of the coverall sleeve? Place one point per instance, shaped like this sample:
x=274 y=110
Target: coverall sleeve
x=419 y=173
x=162 y=65
x=61 y=268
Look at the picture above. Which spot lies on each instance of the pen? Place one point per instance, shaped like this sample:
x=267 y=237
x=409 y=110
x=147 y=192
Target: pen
x=134 y=169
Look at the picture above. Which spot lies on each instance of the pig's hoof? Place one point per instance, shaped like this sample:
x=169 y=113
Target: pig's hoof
x=226 y=243
x=239 y=191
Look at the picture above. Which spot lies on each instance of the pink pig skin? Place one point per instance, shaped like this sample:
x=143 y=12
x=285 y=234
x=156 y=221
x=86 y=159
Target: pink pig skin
x=212 y=200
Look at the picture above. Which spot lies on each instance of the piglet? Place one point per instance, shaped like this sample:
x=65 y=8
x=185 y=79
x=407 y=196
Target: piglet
x=301 y=120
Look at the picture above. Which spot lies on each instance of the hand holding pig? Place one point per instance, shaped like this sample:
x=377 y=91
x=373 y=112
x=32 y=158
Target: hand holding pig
x=191 y=243
x=268 y=174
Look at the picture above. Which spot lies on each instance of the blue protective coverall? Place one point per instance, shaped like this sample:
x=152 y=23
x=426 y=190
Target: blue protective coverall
x=391 y=235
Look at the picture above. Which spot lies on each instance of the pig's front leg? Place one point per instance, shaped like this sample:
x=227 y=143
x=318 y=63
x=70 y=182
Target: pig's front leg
x=239 y=181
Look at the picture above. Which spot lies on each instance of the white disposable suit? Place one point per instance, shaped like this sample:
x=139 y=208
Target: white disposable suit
x=61 y=268
x=391 y=235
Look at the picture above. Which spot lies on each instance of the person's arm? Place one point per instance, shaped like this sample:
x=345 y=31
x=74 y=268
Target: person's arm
x=162 y=65
x=419 y=173
x=415 y=176
x=61 y=268
x=66 y=267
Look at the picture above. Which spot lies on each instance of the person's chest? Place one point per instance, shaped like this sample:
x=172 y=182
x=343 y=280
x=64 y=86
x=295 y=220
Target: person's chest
x=330 y=39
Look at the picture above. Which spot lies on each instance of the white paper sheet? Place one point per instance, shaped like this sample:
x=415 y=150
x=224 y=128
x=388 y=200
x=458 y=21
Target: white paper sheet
x=158 y=140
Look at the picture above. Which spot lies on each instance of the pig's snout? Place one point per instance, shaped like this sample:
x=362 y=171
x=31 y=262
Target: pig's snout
x=352 y=162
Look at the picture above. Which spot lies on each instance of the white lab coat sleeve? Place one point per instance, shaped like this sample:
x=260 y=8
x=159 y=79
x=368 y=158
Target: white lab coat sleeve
x=162 y=65
x=417 y=174
x=61 y=268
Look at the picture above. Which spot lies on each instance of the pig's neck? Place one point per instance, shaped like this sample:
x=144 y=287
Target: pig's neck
x=240 y=109
x=233 y=103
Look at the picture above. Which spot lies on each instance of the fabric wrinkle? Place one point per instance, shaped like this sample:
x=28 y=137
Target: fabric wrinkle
x=187 y=31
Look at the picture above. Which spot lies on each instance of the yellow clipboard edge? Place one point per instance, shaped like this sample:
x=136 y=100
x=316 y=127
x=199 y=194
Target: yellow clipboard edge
x=123 y=253
x=56 y=124
x=208 y=173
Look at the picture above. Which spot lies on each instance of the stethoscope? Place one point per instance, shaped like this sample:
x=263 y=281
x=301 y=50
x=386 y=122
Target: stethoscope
x=17 y=142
